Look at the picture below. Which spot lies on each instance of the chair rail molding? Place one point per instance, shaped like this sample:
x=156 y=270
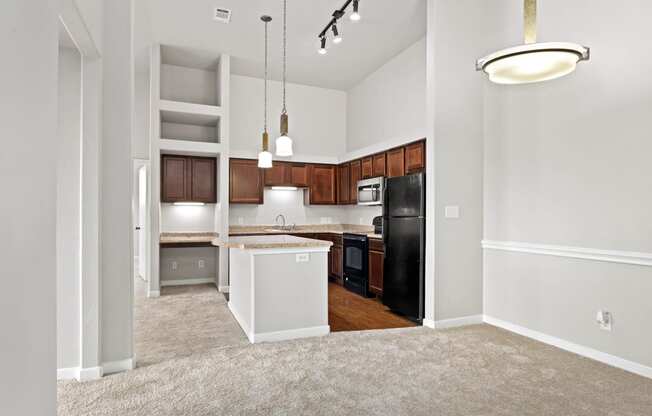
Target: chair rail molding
x=611 y=256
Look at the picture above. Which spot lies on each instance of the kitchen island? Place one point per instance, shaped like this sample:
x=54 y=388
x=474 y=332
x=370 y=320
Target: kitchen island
x=278 y=286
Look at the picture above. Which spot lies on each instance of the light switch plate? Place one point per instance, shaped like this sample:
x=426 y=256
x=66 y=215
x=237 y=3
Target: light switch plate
x=452 y=211
x=303 y=258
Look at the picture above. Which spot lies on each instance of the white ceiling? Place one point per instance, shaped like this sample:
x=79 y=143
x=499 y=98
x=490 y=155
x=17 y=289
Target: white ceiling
x=387 y=27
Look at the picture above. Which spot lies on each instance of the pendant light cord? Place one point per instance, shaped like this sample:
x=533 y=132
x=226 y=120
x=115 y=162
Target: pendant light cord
x=265 y=112
x=284 y=51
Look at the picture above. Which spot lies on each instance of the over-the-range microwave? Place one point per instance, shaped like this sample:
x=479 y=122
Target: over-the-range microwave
x=370 y=191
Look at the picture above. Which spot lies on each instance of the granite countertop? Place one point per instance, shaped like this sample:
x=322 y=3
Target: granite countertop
x=270 y=242
x=235 y=230
x=188 y=237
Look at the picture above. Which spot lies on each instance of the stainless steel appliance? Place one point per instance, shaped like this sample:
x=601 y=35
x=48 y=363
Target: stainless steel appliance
x=356 y=263
x=370 y=191
x=404 y=211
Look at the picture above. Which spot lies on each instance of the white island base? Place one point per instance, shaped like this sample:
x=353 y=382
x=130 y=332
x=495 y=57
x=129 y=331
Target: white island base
x=279 y=292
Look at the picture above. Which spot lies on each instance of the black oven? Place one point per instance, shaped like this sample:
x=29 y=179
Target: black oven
x=356 y=263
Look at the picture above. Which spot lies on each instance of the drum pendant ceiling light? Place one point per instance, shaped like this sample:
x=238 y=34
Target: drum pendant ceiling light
x=532 y=62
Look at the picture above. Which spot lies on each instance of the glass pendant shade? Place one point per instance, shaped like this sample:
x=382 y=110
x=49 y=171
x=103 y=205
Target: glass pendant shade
x=265 y=159
x=284 y=146
x=534 y=62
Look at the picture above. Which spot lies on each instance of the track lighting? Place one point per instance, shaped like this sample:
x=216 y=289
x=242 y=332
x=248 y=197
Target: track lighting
x=355 y=16
x=322 y=50
x=336 y=35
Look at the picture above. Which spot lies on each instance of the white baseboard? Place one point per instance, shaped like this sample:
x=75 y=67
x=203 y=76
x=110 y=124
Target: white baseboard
x=456 y=322
x=186 y=282
x=223 y=289
x=428 y=323
x=154 y=294
x=79 y=374
x=591 y=353
x=315 y=331
x=112 y=367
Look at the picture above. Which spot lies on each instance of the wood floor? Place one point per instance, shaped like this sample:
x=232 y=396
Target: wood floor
x=350 y=312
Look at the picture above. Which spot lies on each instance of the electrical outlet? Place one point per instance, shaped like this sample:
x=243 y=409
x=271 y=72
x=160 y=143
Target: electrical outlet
x=240 y=221
x=452 y=211
x=303 y=258
x=175 y=265
x=361 y=220
x=604 y=320
x=201 y=264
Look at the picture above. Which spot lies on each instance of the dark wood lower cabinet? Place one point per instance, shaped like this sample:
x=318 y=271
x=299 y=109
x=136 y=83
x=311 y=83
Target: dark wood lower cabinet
x=376 y=261
x=337 y=266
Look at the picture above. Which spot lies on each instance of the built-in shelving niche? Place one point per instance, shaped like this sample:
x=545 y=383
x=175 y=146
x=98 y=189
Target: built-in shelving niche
x=190 y=95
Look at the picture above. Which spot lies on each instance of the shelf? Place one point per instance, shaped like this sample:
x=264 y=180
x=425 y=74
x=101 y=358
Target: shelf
x=189 y=148
x=187 y=113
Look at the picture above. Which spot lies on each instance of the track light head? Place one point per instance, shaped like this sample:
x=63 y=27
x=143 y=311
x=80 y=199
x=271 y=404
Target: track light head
x=336 y=34
x=355 y=16
x=322 y=49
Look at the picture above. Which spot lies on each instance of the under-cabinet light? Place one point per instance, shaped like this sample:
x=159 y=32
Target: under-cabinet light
x=284 y=188
x=189 y=204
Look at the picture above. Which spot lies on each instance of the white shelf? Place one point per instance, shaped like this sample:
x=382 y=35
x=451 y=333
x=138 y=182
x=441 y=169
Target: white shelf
x=190 y=148
x=188 y=113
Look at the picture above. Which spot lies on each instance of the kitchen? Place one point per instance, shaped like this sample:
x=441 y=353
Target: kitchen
x=330 y=189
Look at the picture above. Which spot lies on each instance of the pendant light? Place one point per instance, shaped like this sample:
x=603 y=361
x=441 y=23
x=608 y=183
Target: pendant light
x=265 y=157
x=284 y=143
x=532 y=62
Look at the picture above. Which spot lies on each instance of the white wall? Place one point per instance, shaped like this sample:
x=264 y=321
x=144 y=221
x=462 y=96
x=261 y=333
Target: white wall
x=181 y=218
x=317 y=118
x=69 y=208
x=140 y=145
x=28 y=104
x=116 y=224
x=568 y=163
x=390 y=104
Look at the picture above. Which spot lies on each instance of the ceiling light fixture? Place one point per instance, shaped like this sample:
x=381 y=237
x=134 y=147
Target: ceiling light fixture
x=332 y=25
x=265 y=157
x=532 y=62
x=322 y=49
x=284 y=143
x=355 y=16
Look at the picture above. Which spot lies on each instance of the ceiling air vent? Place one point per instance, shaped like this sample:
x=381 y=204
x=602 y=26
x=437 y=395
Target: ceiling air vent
x=222 y=15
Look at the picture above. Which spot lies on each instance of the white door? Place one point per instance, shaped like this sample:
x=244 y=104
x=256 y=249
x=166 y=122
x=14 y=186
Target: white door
x=142 y=222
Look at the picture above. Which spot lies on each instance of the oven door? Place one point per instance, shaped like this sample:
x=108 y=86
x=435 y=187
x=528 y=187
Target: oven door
x=355 y=256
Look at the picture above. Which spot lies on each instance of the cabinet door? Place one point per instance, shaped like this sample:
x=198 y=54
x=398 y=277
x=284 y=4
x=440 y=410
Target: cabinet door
x=415 y=157
x=174 y=179
x=245 y=182
x=343 y=181
x=376 y=272
x=299 y=175
x=396 y=162
x=337 y=262
x=379 y=165
x=355 y=176
x=367 y=167
x=277 y=175
x=203 y=186
x=323 y=185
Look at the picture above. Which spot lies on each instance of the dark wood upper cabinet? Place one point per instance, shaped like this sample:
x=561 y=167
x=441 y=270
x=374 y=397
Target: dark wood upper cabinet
x=355 y=176
x=396 y=162
x=379 y=165
x=203 y=184
x=367 y=167
x=280 y=174
x=343 y=184
x=245 y=182
x=323 y=185
x=415 y=157
x=188 y=179
x=299 y=175
x=174 y=178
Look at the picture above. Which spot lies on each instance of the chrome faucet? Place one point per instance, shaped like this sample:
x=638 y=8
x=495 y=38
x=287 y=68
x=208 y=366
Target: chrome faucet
x=281 y=216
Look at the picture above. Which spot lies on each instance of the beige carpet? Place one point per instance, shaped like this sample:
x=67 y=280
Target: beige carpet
x=198 y=363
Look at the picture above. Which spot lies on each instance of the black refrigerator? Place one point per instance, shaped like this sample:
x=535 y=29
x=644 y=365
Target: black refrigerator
x=404 y=219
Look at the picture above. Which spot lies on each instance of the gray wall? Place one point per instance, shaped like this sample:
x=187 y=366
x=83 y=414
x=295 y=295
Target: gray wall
x=117 y=259
x=460 y=31
x=69 y=209
x=28 y=104
x=187 y=259
x=568 y=163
